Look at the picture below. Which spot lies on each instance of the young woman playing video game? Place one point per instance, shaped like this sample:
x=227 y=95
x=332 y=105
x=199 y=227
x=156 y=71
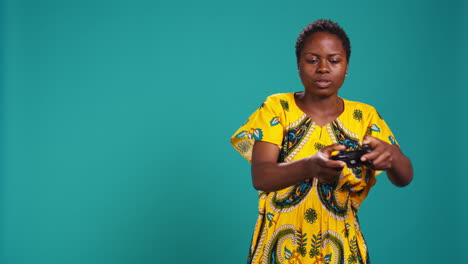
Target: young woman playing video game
x=308 y=203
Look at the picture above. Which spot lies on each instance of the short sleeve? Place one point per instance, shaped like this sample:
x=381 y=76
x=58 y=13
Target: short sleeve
x=265 y=124
x=378 y=128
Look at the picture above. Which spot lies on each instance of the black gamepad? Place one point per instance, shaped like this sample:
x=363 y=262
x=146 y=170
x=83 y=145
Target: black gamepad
x=353 y=157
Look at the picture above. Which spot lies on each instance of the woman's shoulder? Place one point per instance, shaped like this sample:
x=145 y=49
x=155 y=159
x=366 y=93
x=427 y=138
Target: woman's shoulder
x=355 y=105
x=283 y=100
x=360 y=111
x=280 y=96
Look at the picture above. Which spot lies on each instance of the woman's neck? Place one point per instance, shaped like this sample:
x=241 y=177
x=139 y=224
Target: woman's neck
x=322 y=110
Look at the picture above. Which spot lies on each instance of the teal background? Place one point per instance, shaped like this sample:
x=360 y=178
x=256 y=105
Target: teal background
x=116 y=118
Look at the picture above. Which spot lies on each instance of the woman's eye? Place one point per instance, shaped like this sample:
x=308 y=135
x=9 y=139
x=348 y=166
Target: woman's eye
x=334 y=61
x=313 y=61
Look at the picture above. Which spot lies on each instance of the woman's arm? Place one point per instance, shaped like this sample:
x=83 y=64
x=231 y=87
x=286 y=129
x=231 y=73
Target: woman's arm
x=389 y=158
x=269 y=175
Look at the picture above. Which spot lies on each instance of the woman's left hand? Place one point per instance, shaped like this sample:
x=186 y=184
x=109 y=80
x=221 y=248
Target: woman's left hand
x=382 y=153
x=389 y=158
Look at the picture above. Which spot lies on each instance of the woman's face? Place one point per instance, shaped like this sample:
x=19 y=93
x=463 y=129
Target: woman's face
x=322 y=64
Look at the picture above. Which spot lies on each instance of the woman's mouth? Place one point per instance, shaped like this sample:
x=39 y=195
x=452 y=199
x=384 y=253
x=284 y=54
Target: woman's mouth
x=323 y=83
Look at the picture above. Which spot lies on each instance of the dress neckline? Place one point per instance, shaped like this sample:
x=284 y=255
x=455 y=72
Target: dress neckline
x=345 y=102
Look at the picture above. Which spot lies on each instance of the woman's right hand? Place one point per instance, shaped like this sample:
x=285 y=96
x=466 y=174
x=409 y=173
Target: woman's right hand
x=321 y=167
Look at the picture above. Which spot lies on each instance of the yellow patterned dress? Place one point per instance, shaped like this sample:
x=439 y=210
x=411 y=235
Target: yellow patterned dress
x=310 y=222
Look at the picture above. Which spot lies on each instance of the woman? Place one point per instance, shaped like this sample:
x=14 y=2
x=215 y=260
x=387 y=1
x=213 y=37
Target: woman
x=308 y=202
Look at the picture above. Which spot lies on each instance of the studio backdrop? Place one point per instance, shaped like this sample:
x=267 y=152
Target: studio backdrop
x=116 y=117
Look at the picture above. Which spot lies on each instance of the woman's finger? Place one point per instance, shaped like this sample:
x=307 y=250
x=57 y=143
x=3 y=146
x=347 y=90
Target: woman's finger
x=329 y=149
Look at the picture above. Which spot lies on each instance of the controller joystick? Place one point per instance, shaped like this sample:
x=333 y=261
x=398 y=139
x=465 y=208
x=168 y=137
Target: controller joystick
x=353 y=157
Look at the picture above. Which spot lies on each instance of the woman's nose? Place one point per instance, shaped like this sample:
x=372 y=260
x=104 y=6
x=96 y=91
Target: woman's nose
x=323 y=67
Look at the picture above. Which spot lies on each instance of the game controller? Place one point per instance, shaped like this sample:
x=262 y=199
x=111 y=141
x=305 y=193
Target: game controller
x=353 y=157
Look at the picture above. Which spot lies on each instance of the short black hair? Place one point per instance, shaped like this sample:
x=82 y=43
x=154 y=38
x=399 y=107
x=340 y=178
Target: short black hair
x=323 y=25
